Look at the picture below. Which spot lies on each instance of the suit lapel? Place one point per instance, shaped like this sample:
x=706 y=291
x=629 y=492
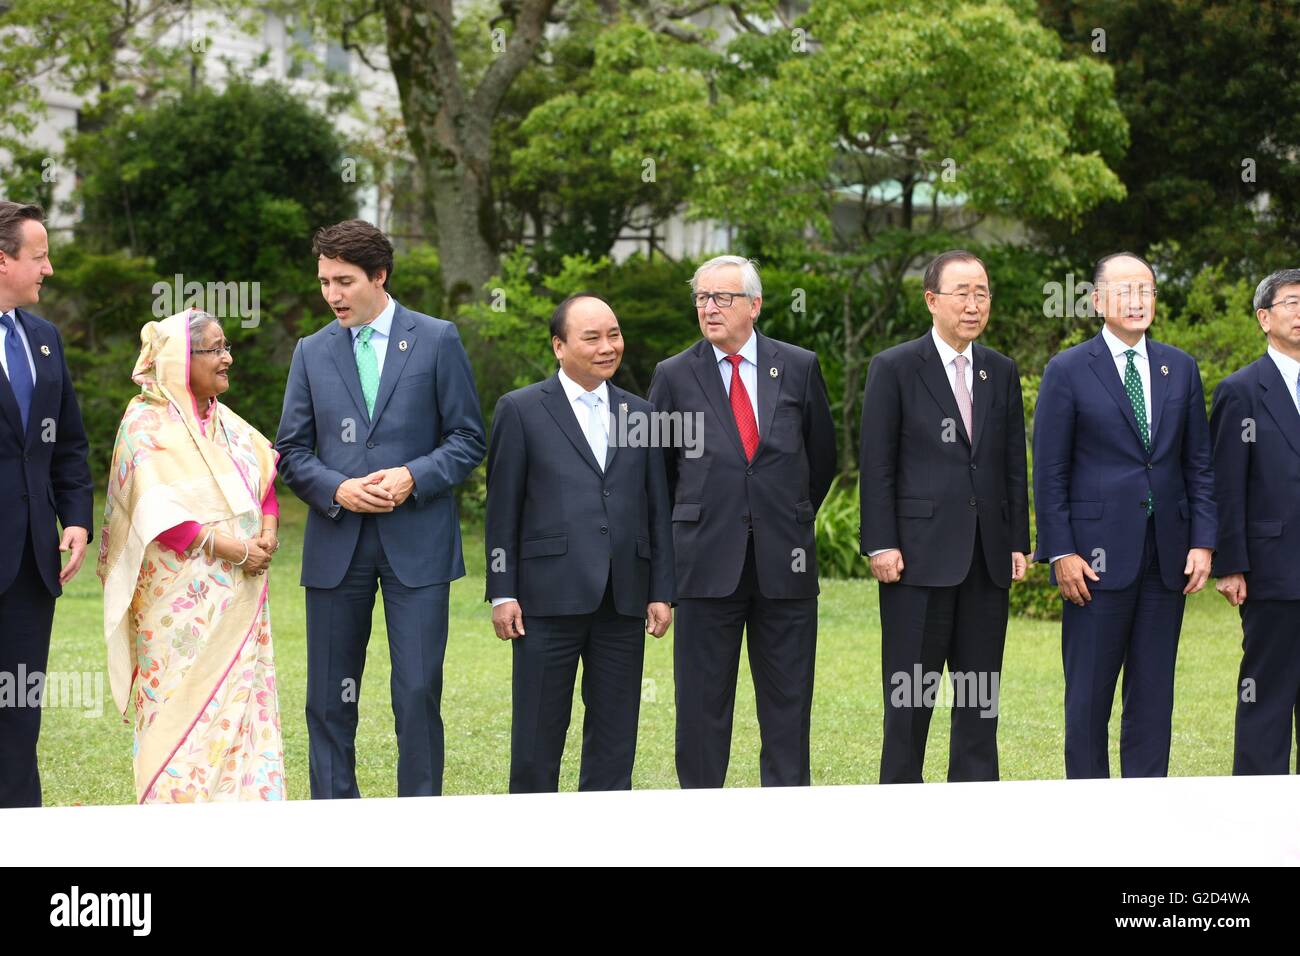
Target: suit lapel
x=706 y=371
x=617 y=400
x=557 y=405
x=935 y=378
x=1278 y=402
x=1160 y=391
x=1103 y=366
x=45 y=393
x=9 y=403
x=346 y=362
x=400 y=333
x=769 y=388
x=982 y=392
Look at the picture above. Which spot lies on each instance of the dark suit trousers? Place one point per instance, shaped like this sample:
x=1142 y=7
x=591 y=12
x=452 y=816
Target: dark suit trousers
x=338 y=630
x=26 y=616
x=782 y=637
x=922 y=628
x=1265 y=711
x=1135 y=629
x=612 y=649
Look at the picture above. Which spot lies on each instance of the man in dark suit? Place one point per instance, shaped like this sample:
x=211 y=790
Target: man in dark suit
x=945 y=520
x=744 y=500
x=579 y=553
x=381 y=421
x=46 y=477
x=1256 y=425
x=1124 y=492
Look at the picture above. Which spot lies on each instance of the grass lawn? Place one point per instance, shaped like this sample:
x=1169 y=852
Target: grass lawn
x=87 y=759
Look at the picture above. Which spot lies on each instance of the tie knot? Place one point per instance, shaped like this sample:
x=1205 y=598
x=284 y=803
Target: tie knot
x=735 y=360
x=364 y=335
x=1130 y=353
x=960 y=362
x=590 y=399
x=7 y=321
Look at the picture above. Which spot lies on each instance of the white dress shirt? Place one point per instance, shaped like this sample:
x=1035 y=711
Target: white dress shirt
x=1290 y=370
x=1140 y=361
x=383 y=327
x=748 y=370
x=22 y=337
x=574 y=392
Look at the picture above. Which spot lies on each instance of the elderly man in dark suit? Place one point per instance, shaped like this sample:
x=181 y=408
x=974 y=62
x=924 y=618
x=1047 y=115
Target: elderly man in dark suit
x=945 y=520
x=381 y=421
x=579 y=552
x=744 y=501
x=1255 y=420
x=46 y=477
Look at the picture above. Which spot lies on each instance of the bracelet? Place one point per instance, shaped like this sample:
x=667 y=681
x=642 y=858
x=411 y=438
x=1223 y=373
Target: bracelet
x=245 y=558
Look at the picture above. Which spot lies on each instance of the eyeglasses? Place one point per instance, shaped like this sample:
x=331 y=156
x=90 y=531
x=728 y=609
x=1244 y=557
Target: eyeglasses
x=220 y=348
x=980 y=298
x=1145 y=293
x=1289 y=304
x=724 y=299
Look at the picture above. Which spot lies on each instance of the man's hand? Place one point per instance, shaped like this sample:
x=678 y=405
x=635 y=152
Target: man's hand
x=364 y=495
x=658 y=616
x=1070 y=573
x=74 y=540
x=1233 y=588
x=398 y=482
x=508 y=620
x=887 y=566
x=1019 y=564
x=1198 y=570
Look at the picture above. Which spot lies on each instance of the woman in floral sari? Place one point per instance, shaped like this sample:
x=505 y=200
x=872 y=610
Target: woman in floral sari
x=189 y=529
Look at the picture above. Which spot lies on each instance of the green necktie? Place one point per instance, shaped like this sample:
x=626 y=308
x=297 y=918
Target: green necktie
x=368 y=369
x=1133 y=385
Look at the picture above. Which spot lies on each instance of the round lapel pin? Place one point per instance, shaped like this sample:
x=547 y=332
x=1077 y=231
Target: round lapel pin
x=1164 y=370
x=45 y=350
x=984 y=376
x=402 y=346
x=773 y=372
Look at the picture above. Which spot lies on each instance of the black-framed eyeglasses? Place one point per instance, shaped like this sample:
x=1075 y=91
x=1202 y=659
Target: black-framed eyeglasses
x=723 y=299
x=981 y=298
x=220 y=348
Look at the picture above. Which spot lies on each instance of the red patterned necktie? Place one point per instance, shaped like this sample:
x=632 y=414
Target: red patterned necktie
x=743 y=411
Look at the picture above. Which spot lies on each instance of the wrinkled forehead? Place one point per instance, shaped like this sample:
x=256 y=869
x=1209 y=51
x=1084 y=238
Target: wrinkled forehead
x=720 y=279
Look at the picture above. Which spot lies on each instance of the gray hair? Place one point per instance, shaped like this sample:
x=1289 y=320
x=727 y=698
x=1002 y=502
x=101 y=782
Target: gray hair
x=749 y=280
x=200 y=320
x=1266 y=291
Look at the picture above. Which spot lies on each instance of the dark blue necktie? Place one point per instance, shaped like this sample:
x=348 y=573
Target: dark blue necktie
x=20 y=373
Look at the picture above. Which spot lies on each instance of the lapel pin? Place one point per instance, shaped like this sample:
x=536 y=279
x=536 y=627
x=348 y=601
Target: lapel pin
x=401 y=346
x=773 y=372
x=1164 y=370
x=984 y=376
x=45 y=350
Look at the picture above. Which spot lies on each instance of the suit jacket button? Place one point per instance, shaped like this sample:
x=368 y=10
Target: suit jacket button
x=972 y=502
x=370 y=444
x=972 y=466
x=604 y=529
x=745 y=519
x=606 y=492
x=1148 y=466
x=749 y=471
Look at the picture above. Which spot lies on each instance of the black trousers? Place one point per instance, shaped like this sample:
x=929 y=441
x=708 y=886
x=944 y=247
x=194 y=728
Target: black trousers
x=1136 y=629
x=782 y=638
x=26 y=617
x=1267 y=705
x=612 y=649
x=338 y=630
x=922 y=629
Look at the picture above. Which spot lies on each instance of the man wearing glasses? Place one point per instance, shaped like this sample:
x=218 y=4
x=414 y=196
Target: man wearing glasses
x=945 y=521
x=743 y=508
x=1124 y=492
x=1256 y=425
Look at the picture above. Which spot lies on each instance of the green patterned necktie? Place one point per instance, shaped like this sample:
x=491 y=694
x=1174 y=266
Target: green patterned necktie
x=368 y=369
x=1133 y=385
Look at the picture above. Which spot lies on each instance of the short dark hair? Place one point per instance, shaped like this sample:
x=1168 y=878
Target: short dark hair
x=12 y=217
x=934 y=271
x=560 y=317
x=358 y=242
x=1100 y=270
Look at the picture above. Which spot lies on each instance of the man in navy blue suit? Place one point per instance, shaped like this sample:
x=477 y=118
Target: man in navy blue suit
x=1124 y=496
x=46 y=478
x=1256 y=426
x=381 y=421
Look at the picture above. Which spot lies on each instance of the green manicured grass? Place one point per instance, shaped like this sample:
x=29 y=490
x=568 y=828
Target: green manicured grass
x=87 y=759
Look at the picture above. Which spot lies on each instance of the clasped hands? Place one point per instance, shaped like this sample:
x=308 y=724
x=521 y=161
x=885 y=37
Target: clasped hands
x=378 y=492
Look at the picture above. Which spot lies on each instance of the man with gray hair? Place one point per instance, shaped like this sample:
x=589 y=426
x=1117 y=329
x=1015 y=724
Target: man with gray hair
x=743 y=539
x=1255 y=421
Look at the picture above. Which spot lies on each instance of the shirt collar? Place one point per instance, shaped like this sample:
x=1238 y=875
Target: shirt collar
x=1288 y=366
x=573 y=391
x=383 y=322
x=1118 y=348
x=947 y=353
x=748 y=351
